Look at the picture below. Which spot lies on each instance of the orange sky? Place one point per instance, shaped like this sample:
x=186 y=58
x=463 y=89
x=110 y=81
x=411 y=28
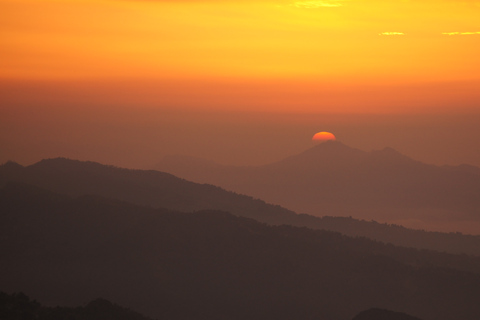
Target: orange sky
x=128 y=81
x=330 y=55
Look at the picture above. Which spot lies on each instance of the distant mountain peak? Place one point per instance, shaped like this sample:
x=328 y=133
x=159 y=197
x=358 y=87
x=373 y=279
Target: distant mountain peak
x=331 y=147
x=390 y=154
x=326 y=153
x=331 y=144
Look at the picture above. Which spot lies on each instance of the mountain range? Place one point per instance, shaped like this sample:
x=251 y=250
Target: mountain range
x=67 y=250
x=334 y=179
x=163 y=190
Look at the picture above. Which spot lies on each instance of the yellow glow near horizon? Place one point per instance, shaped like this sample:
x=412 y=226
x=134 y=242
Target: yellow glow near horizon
x=303 y=42
x=158 y=39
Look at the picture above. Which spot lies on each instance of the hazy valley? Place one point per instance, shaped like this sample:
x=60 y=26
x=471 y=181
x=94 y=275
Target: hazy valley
x=163 y=190
x=334 y=179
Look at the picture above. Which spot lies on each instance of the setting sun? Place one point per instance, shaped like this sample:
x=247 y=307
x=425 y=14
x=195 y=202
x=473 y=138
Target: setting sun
x=323 y=136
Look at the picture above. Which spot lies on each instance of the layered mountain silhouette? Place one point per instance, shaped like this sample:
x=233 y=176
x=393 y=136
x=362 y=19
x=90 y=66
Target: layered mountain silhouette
x=334 y=179
x=165 y=264
x=158 y=189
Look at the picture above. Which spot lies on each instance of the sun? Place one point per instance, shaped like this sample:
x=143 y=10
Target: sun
x=323 y=136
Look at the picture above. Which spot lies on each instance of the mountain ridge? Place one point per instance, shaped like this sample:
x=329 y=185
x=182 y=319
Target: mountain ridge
x=156 y=189
x=334 y=179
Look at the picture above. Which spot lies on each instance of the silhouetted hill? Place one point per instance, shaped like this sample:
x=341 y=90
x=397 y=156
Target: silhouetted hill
x=144 y=187
x=18 y=306
x=334 y=179
x=213 y=265
x=380 y=314
x=395 y=234
x=159 y=189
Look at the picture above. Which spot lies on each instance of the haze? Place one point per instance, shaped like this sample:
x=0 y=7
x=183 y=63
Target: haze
x=127 y=82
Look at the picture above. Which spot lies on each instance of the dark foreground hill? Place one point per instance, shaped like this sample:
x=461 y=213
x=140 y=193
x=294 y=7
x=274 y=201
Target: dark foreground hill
x=334 y=179
x=157 y=189
x=18 y=306
x=143 y=187
x=380 y=314
x=213 y=265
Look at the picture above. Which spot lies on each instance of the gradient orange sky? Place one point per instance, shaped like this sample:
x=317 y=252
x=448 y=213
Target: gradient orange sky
x=273 y=57
x=313 y=50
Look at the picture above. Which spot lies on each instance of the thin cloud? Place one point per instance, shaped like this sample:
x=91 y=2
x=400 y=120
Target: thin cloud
x=391 y=34
x=460 y=33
